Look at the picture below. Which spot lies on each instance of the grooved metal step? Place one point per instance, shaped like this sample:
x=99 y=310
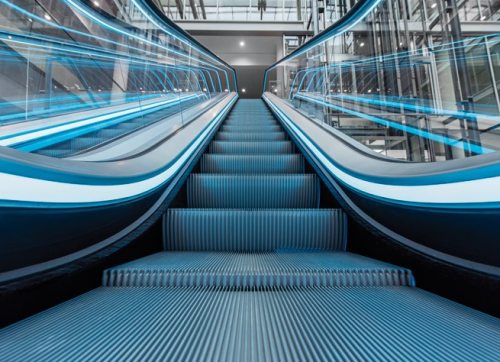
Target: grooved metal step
x=254 y=230
x=54 y=152
x=252 y=191
x=270 y=164
x=250 y=128
x=234 y=136
x=256 y=270
x=251 y=120
x=317 y=324
x=80 y=143
x=256 y=148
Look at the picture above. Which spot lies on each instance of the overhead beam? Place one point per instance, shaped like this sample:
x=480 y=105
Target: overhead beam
x=193 y=9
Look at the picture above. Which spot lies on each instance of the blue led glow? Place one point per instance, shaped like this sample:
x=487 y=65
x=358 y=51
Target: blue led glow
x=421 y=133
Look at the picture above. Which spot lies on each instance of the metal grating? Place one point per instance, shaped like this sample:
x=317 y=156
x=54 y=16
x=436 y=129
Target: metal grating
x=293 y=324
x=256 y=270
x=250 y=136
x=251 y=148
x=254 y=230
x=252 y=191
x=270 y=164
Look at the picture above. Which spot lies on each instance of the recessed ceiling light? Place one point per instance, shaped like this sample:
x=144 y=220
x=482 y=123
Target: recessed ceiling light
x=362 y=44
x=96 y=3
x=243 y=90
x=434 y=5
x=47 y=16
x=242 y=43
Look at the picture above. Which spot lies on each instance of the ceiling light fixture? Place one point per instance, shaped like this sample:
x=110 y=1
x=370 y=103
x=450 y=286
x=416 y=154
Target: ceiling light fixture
x=242 y=43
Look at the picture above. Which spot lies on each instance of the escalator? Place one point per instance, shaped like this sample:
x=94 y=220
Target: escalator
x=254 y=268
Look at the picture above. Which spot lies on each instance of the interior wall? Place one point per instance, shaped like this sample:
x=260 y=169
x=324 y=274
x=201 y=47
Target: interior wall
x=250 y=60
x=250 y=80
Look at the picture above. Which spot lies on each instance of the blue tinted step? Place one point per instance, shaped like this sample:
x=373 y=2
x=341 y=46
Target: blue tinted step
x=250 y=128
x=54 y=152
x=254 y=230
x=129 y=125
x=81 y=143
x=214 y=163
x=318 y=324
x=110 y=133
x=256 y=270
x=244 y=148
x=253 y=191
x=233 y=136
x=251 y=122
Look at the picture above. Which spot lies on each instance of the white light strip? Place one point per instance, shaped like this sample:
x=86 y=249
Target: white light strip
x=25 y=189
x=20 y=138
x=484 y=190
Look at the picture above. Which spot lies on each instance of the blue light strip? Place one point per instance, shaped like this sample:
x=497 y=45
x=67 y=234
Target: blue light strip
x=419 y=108
x=22 y=137
x=425 y=134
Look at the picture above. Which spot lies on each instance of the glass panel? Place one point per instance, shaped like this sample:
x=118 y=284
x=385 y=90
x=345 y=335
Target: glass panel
x=398 y=91
x=98 y=70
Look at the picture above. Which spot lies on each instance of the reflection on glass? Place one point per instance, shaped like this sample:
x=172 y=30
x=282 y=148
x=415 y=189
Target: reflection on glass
x=101 y=69
x=398 y=90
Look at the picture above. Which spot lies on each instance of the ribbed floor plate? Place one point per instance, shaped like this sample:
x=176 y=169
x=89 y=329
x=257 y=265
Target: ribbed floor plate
x=254 y=230
x=252 y=191
x=270 y=164
x=251 y=148
x=310 y=324
x=256 y=270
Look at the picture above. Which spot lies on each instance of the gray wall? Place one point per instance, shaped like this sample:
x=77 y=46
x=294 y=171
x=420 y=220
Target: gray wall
x=249 y=61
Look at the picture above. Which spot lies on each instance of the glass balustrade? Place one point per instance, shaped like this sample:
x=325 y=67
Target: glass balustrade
x=405 y=89
x=101 y=68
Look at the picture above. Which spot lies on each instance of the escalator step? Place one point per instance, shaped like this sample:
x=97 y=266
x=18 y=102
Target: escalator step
x=254 y=230
x=253 y=191
x=233 y=136
x=212 y=324
x=250 y=128
x=110 y=133
x=251 y=121
x=81 y=143
x=256 y=270
x=214 y=163
x=251 y=148
x=54 y=152
x=129 y=125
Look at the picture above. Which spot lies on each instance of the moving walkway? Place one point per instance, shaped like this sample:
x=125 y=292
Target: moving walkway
x=254 y=268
